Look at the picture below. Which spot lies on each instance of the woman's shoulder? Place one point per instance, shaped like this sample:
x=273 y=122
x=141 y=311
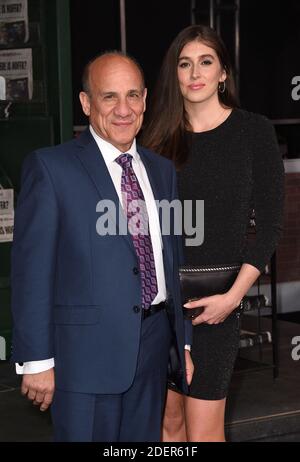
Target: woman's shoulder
x=261 y=134
x=253 y=120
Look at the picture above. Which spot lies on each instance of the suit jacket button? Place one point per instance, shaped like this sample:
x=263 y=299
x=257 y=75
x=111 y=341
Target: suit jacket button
x=135 y=270
x=136 y=309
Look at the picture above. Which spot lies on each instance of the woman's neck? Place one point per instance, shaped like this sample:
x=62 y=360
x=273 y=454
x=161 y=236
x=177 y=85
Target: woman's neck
x=206 y=115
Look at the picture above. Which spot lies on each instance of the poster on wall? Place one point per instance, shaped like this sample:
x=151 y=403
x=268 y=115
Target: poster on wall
x=6 y=215
x=13 y=22
x=16 y=68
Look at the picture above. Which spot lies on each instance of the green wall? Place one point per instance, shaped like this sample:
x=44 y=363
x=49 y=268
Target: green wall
x=43 y=121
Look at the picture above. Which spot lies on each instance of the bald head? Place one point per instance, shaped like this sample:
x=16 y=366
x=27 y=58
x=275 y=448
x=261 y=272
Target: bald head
x=104 y=58
x=115 y=98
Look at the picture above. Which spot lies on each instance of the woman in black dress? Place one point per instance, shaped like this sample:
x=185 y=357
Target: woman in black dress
x=229 y=158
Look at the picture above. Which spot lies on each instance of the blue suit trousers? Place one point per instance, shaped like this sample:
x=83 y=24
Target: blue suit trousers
x=132 y=416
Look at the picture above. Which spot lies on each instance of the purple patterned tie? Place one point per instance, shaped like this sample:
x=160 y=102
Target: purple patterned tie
x=138 y=221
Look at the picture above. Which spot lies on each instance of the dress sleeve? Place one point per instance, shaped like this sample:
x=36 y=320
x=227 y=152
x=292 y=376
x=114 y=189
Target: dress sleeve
x=268 y=194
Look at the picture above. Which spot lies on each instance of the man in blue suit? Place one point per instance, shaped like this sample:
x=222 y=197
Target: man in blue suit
x=91 y=306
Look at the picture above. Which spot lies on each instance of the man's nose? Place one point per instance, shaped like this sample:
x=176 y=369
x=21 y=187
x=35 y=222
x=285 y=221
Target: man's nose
x=122 y=108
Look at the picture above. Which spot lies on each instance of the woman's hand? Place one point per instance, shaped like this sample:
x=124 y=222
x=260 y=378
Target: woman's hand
x=189 y=367
x=216 y=308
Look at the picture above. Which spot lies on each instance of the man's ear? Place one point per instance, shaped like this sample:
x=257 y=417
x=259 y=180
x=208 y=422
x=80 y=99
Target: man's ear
x=144 y=98
x=85 y=103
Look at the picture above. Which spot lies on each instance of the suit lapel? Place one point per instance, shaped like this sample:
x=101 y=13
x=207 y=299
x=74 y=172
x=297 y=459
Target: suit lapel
x=94 y=164
x=156 y=179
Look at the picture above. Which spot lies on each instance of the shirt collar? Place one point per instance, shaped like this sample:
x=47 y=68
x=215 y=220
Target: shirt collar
x=109 y=152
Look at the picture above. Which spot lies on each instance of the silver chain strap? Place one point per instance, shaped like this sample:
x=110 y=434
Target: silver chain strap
x=211 y=269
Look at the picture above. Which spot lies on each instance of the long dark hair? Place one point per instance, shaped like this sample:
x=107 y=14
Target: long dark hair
x=167 y=121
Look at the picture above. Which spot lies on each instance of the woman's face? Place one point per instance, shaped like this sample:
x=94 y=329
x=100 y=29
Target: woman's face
x=199 y=72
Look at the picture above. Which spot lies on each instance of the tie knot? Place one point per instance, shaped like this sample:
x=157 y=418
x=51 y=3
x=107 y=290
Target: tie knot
x=124 y=160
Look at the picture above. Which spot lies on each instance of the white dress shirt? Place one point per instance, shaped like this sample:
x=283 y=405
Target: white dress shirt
x=110 y=154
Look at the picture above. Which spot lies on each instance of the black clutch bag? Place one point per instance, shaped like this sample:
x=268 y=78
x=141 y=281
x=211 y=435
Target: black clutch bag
x=202 y=281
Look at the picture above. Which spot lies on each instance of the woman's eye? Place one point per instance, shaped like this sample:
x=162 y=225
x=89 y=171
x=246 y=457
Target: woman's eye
x=206 y=62
x=184 y=64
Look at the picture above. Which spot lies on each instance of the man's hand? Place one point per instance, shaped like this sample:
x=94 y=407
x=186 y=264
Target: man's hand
x=39 y=388
x=189 y=367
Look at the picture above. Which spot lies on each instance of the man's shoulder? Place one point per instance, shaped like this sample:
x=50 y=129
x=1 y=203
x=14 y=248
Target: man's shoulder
x=55 y=158
x=58 y=151
x=161 y=161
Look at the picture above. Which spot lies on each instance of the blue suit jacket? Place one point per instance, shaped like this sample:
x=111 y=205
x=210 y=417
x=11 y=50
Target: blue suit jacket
x=75 y=293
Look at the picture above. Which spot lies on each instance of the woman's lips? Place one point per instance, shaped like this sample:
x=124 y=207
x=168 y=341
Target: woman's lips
x=197 y=86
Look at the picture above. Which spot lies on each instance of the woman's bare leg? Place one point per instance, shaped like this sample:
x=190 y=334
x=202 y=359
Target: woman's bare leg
x=174 y=420
x=204 y=419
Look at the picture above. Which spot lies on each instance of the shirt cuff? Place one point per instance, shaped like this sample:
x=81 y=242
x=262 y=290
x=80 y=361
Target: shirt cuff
x=34 y=367
x=187 y=347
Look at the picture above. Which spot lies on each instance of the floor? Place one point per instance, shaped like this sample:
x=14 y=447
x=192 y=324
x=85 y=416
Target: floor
x=260 y=408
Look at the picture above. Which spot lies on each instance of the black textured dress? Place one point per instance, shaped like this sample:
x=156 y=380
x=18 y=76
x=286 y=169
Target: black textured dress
x=234 y=168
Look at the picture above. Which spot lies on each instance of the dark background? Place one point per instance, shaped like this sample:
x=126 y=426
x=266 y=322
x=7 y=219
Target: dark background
x=269 y=45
